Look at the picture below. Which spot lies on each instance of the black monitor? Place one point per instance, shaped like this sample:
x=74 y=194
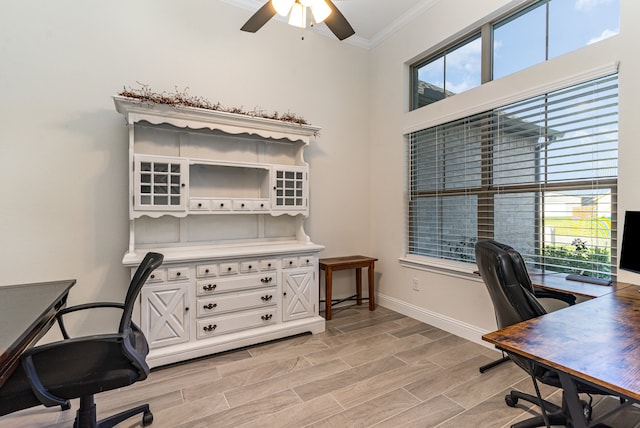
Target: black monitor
x=630 y=252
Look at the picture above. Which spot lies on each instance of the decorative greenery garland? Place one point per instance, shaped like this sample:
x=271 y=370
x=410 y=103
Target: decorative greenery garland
x=182 y=98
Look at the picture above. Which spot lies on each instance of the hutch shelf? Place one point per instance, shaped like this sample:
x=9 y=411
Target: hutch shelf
x=223 y=196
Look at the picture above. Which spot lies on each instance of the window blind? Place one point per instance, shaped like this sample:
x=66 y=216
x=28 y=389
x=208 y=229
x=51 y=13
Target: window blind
x=539 y=174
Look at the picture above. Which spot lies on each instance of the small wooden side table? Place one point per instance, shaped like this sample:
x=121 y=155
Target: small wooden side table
x=332 y=264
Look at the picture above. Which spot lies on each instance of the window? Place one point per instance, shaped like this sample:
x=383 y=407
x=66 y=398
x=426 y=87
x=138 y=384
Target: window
x=548 y=29
x=454 y=70
x=539 y=174
x=543 y=30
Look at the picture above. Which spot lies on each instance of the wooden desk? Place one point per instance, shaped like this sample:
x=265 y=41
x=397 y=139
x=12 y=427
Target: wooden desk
x=558 y=282
x=597 y=341
x=330 y=265
x=27 y=311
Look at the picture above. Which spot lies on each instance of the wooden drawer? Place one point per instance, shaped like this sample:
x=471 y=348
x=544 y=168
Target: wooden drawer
x=215 y=326
x=261 y=205
x=178 y=273
x=207 y=270
x=241 y=205
x=289 y=262
x=211 y=286
x=208 y=306
x=221 y=204
x=158 y=275
x=249 y=266
x=199 y=204
x=268 y=264
x=228 y=268
x=306 y=261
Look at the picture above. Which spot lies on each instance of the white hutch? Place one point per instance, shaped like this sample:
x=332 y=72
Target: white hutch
x=223 y=196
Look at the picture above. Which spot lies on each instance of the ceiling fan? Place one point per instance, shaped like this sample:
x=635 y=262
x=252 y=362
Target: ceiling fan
x=322 y=11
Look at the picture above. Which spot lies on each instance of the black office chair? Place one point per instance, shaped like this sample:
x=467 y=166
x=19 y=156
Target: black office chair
x=550 y=300
x=54 y=373
x=504 y=273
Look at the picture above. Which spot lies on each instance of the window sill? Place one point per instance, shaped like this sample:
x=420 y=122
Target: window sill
x=459 y=270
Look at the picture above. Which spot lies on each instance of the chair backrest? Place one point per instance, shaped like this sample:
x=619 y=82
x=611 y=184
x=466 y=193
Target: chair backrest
x=505 y=275
x=150 y=262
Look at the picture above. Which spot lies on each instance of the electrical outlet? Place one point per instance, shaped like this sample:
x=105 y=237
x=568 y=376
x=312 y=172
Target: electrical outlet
x=416 y=284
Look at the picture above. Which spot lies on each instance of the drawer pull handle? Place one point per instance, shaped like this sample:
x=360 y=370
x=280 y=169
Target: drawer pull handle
x=210 y=306
x=221 y=205
x=199 y=205
x=266 y=280
x=249 y=266
x=206 y=271
x=153 y=276
x=177 y=273
x=267 y=298
x=229 y=269
x=209 y=287
x=267 y=317
x=209 y=328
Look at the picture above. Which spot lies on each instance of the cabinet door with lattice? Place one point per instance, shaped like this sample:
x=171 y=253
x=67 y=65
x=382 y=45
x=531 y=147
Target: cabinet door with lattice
x=299 y=294
x=164 y=310
x=159 y=184
x=290 y=189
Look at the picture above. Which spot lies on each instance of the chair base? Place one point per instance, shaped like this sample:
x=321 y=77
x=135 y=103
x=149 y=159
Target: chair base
x=557 y=416
x=555 y=419
x=86 y=415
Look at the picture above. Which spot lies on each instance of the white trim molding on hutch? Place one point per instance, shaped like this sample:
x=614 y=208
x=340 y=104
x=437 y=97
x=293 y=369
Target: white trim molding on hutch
x=223 y=197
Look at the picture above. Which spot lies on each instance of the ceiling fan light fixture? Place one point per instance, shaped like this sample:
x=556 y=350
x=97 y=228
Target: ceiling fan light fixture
x=282 y=6
x=320 y=10
x=298 y=17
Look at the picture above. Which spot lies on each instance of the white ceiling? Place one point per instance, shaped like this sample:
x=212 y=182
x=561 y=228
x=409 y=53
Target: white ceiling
x=372 y=20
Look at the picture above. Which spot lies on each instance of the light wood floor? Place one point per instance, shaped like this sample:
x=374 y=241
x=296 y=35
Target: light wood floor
x=368 y=369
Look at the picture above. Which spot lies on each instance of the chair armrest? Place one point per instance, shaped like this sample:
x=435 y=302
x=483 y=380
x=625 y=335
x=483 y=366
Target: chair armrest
x=83 y=307
x=569 y=299
x=38 y=389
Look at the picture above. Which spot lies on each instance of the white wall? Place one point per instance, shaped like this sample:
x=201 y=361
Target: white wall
x=456 y=303
x=63 y=158
x=63 y=147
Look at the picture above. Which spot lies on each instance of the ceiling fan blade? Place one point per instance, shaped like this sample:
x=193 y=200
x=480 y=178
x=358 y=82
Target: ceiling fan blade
x=337 y=23
x=264 y=14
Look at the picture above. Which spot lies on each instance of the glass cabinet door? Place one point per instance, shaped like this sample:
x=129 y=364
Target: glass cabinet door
x=290 y=188
x=159 y=183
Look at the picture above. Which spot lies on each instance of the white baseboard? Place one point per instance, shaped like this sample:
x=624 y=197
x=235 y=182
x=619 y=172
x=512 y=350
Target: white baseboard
x=448 y=324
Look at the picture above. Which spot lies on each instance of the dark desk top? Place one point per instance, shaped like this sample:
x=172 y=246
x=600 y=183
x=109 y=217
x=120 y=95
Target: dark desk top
x=26 y=313
x=558 y=282
x=597 y=340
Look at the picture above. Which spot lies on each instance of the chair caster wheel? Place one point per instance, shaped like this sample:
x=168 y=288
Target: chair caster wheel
x=147 y=419
x=511 y=400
